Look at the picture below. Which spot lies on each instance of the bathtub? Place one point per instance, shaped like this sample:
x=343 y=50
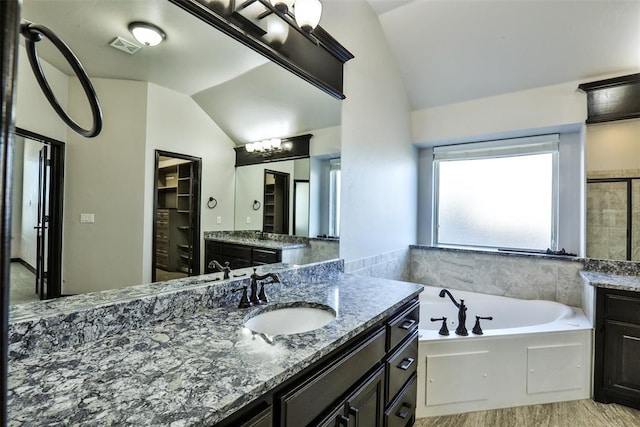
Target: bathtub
x=531 y=352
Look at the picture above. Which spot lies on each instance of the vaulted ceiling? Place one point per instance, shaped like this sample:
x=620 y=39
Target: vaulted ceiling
x=447 y=51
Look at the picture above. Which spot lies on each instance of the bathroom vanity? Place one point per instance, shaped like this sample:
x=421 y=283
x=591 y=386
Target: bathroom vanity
x=178 y=352
x=617 y=338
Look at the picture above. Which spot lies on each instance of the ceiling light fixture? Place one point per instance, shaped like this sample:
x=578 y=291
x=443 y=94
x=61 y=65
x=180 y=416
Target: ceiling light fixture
x=147 y=34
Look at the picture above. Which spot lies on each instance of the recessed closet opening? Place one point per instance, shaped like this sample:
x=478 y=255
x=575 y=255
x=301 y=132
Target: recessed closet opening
x=176 y=216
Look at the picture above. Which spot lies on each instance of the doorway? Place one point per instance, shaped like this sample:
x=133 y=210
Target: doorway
x=36 y=232
x=276 y=202
x=176 y=216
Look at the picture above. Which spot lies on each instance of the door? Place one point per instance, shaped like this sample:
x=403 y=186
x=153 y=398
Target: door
x=301 y=208
x=276 y=202
x=42 y=225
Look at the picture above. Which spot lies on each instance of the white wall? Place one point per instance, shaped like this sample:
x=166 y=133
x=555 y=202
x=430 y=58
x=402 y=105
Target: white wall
x=105 y=176
x=325 y=142
x=492 y=117
x=613 y=146
x=174 y=122
x=379 y=163
x=32 y=109
x=250 y=187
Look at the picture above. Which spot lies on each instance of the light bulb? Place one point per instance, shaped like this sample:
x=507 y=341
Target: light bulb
x=277 y=30
x=308 y=14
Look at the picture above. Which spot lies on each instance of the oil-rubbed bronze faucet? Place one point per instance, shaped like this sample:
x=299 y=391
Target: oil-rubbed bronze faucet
x=260 y=297
x=462 y=313
x=226 y=269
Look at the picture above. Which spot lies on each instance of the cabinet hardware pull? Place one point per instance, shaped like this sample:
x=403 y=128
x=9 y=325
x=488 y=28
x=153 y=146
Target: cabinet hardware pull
x=407 y=324
x=342 y=421
x=355 y=412
x=404 y=365
x=406 y=412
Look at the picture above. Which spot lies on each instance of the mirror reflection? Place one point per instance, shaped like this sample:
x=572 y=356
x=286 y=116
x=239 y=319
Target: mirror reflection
x=613 y=190
x=198 y=93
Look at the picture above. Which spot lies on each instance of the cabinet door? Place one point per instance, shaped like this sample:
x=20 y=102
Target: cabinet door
x=622 y=360
x=365 y=407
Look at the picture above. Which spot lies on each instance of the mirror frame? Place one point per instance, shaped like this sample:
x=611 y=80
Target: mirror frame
x=320 y=64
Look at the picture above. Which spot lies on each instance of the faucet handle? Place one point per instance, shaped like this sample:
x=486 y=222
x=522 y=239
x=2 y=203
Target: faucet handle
x=244 y=300
x=262 y=297
x=476 y=328
x=443 y=330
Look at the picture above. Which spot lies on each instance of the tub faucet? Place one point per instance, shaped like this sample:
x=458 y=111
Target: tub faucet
x=462 y=313
x=226 y=269
x=261 y=297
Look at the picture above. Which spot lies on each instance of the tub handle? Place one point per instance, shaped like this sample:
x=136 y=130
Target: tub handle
x=404 y=365
x=404 y=411
x=407 y=324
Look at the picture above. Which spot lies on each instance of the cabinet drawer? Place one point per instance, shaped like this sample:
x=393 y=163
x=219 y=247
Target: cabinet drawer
x=622 y=307
x=236 y=251
x=308 y=400
x=402 y=411
x=263 y=419
x=212 y=248
x=266 y=256
x=403 y=325
x=401 y=366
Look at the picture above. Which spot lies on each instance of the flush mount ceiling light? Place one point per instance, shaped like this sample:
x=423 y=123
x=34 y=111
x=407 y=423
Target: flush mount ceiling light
x=147 y=34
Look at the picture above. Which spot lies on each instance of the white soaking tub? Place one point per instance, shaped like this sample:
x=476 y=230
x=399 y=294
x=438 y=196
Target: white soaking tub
x=531 y=352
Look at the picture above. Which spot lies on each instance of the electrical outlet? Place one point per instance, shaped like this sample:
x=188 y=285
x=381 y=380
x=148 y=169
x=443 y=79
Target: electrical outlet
x=219 y=220
x=87 y=218
x=248 y=220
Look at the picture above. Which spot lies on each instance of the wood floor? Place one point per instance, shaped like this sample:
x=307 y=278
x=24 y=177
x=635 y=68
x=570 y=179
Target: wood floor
x=578 y=413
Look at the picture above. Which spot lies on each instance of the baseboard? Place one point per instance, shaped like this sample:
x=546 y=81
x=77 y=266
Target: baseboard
x=25 y=263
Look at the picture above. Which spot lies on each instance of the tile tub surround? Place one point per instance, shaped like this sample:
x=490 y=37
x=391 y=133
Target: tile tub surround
x=517 y=275
x=191 y=370
x=389 y=265
x=46 y=326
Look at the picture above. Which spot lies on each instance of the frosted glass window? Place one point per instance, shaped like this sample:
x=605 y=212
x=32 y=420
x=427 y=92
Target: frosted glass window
x=497 y=202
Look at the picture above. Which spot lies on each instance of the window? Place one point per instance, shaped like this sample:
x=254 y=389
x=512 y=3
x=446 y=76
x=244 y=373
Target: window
x=498 y=194
x=334 y=197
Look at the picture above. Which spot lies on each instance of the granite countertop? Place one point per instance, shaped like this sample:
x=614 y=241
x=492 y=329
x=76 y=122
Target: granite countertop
x=612 y=281
x=259 y=243
x=191 y=370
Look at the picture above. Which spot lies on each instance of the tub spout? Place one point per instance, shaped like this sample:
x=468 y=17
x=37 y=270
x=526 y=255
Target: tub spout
x=462 y=313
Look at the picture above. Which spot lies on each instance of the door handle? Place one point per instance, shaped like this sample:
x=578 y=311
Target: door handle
x=342 y=421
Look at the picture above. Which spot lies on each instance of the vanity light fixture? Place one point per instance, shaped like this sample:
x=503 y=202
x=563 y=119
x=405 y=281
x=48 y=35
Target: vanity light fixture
x=147 y=34
x=308 y=14
x=266 y=146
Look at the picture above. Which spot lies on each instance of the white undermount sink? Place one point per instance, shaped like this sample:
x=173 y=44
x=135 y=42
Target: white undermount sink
x=292 y=318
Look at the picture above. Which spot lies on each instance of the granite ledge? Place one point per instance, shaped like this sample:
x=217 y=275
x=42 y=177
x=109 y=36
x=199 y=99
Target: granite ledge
x=258 y=243
x=504 y=253
x=194 y=370
x=611 y=281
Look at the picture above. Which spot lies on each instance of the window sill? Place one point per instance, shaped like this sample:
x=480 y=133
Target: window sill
x=507 y=253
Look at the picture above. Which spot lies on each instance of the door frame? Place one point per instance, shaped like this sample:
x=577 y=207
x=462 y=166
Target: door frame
x=196 y=206
x=56 y=205
x=287 y=197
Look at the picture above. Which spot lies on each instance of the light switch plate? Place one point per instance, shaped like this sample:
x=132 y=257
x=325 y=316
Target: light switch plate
x=219 y=220
x=87 y=218
x=248 y=220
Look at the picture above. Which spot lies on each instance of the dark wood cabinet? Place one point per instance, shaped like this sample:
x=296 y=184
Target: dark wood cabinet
x=368 y=382
x=238 y=256
x=617 y=347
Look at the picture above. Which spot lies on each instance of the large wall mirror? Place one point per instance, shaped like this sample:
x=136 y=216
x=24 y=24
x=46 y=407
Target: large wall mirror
x=613 y=190
x=199 y=93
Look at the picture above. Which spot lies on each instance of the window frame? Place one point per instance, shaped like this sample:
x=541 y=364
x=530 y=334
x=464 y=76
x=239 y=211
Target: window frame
x=513 y=147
